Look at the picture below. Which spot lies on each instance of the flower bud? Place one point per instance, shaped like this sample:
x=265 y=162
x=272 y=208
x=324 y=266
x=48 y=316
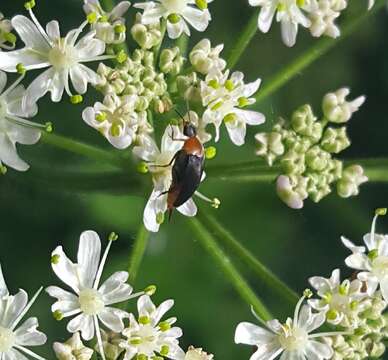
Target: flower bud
x=292 y=190
x=352 y=177
x=171 y=61
x=317 y=159
x=293 y=163
x=304 y=123
x=205 y=59
x=269 y=146
x=335 y=107
x=335 y=140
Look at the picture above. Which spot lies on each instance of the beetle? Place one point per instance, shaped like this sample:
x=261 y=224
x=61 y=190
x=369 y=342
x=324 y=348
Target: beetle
x=187 y=170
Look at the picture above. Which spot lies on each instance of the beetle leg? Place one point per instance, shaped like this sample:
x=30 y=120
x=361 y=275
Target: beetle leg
x=172 y=136
x=169 y=164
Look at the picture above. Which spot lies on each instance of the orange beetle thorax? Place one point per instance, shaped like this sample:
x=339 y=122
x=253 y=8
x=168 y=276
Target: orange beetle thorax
x=193 y=146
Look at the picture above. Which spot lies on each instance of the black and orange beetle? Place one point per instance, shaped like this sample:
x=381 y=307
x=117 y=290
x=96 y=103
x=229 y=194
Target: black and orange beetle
x=187 y=170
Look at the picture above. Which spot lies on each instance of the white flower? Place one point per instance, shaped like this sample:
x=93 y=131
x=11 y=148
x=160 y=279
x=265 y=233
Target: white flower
x=109 y=26
x=14 y=342
x=7 y=39
x=161 y=176
x=224 y=98
x=371 y=3
x=149 y=335
x=373 y=265
x=89 y=301
x=72 y=349
x=292 y=339
x=335 y=107
x=13 y=127
x=115 y=119
x=197 y=354
x=288 y=13
x=178 y=13
x=322 y=14
x=269 y=146
x=339 y=299
x=206 y=59
x=63 y=56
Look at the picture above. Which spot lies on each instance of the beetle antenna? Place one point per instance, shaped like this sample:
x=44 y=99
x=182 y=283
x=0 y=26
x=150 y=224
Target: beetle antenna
x=180 y=115
x=188 y=110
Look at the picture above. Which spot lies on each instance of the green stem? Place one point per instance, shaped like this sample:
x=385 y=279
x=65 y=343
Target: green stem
x=270 y=279
x=137 y=253
x=163 y=28
x=211 y=246
x=244 y=40
x=108 y=4
x=315 y=52
x=86 y=150
x=183 y=43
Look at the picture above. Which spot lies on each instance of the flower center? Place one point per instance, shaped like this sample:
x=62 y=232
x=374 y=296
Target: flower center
x=7 y=339
x=174 y=6
x=90 y=301
x=339 y=302
x=62 y=56
x=380 y=267
x=293 y=339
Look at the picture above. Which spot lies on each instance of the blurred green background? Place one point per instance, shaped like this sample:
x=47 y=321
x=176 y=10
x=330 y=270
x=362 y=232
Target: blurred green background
x=35 y=217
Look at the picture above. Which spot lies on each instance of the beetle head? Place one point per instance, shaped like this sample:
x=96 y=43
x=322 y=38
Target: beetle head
x=189 y=130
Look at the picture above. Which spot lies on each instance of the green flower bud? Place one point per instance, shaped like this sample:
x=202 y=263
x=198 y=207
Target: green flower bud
x=269 y=146
x=318 y=186
x=293 y=163
x=304 y=123
x=335 y=140
x=317 y=159
x=292 y=190
x=171 y=61
x=352 y=177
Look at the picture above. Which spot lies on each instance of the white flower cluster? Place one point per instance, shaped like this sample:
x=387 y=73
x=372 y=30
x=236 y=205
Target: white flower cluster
x=352 y=308
x=146 y=335
x=304 y=150
x=318 y=16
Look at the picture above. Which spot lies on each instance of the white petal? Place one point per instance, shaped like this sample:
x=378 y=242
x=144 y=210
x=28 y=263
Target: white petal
x=310 y=321
x=175 y=30
x=266 y=16
x=28 y=335
x=9 y=155
x=88 y=257
x=161 y=310
x=3 y=286
x=84 y=324
x=250 y=117
x=40 y=86
x=113 y=319
x=145 y=306
x=30 y=34
x=357 y=261
x=237 y=131
x=67 y=302
x=372 y=281
x=316 y=350
x=198 y=19
x=65 y=269
x=251 y=334
x=120 y=9
x=11 y=307
x=188 y=208
x=29 y=59
x=89 y=47
x=114 y=289
x=52 y=29
x=289 y=32
x=353 y=248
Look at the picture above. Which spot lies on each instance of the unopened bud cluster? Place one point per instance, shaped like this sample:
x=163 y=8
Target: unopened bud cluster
x=7 y=38
x=304 y=149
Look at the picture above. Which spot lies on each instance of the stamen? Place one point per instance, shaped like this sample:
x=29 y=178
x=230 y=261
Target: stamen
x=76 y=34
x=98 y=58
x=28 y=306
x=215 y=202
x=26 y=123
x=378 y=212
x=258 y=318
x=101 y=267
x=40 y=28
x=29 y=352
x=13 y=86
x=297 y=308
x=99 y=339
x=334 y=333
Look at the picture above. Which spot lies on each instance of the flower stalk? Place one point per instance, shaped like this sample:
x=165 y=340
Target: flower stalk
x=210 y=245
x=265 y=275
x=137 y=254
